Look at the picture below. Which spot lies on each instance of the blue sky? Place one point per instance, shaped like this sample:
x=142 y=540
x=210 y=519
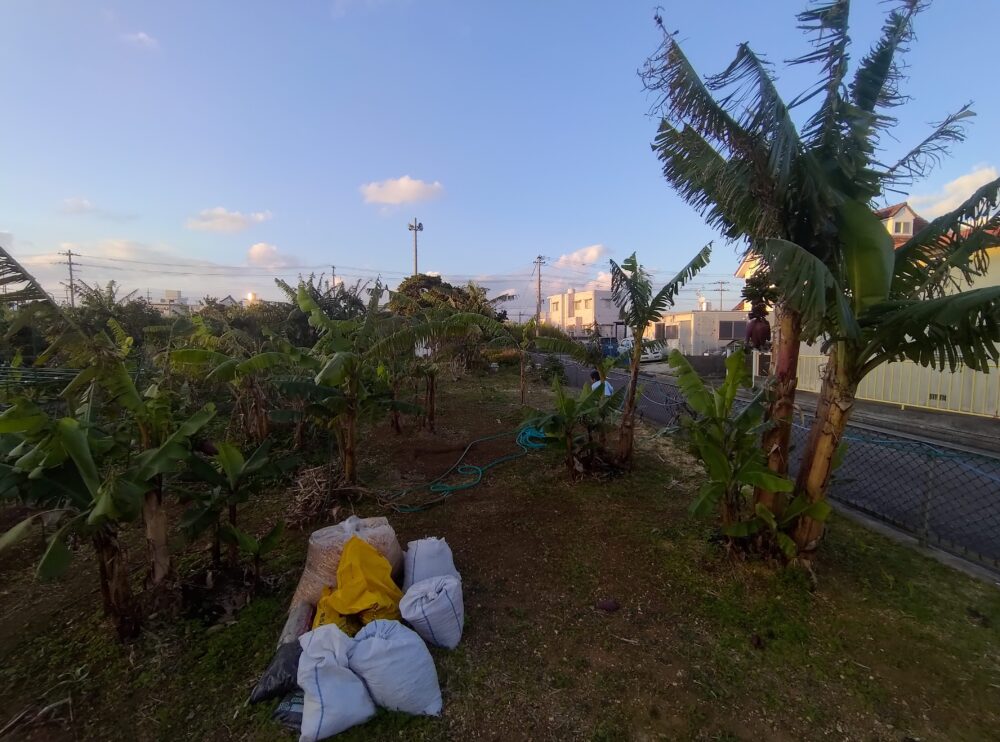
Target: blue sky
x=522 y=125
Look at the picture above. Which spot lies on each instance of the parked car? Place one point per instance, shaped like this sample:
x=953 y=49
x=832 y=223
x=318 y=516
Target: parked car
x=649 y=352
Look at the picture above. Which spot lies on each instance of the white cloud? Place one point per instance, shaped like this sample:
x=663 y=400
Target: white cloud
x=405 y=190
x=953 y=193
x=77 y=205
x=141 y=40
x=156 y=267
x=602 y=282
x=264 y=255
x=80 y=206
x=220 y=219
x=584 y=256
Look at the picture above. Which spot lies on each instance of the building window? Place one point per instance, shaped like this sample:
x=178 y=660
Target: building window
x=732 y=330
x=576 y=304
x=555 y=306
x=586 y=303
x=903 y=227
x=670 y=332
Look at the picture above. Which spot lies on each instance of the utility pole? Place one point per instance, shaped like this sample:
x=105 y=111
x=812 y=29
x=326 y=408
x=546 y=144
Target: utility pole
x=333 y=277
x=415 y=227
x=72 y=282
x=539 y=262
x=721 y=285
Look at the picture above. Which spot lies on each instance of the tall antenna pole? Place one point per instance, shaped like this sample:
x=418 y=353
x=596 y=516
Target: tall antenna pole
x=72 y=282
x=539 y=262
x=333 y=277
x=415 y=227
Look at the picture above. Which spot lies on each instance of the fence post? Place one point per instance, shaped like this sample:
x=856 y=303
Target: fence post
x=925 y=509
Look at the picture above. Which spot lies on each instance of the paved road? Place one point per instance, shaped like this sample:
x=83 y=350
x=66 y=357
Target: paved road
x=949 y=495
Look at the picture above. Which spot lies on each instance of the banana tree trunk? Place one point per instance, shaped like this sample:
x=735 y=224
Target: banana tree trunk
x=627 y=437
x=233 y=549
x=349 y=452
x=524 y=384
x=570 y=457
x=394 y=421
x=121 y=604
x=832 y=415
x=154 y=517
x=784 y=378
x=429 y=401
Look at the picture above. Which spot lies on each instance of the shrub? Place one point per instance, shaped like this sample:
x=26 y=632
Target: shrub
x=503 y=356
x=553 y=370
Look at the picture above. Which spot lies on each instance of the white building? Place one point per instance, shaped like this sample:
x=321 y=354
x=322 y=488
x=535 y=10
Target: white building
x=576 y=312
x=696 y=333
x=172 y=304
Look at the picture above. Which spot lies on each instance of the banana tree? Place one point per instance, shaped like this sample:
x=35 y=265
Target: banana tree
x=58 y=471
x=730 y=148
x=255 y=548
x=726 y=440
x=243 y=377
x=150 y=418
x=73 y=469
x=632 y=292
x=231 y=478
x=569 y=416
x=879 y=305
x=524 y=339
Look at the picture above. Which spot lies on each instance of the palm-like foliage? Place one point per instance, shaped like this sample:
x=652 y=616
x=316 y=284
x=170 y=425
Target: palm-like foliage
x=358 y=360
x=632 y=292
x=863 y=330
x=729 y=146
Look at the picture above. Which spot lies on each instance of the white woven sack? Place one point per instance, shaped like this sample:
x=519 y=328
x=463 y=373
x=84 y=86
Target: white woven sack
x=433 y=607
x=334 y=698
x=397 y=668
x=425 y=558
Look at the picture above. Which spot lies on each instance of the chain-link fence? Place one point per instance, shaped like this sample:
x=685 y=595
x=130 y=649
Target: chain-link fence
x=943 y=495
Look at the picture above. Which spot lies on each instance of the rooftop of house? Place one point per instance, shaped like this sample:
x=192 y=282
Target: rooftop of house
x=749 y=262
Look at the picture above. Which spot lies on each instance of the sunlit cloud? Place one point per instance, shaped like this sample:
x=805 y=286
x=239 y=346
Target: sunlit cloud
x=953 y=193
x=80 y=206
x=266 y=255
x=221 y=219
x=584 y=256
x=404 y=190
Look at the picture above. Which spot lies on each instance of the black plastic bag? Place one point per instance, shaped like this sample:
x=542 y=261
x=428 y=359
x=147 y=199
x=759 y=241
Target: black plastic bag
x=281 y=676
x=288 y=713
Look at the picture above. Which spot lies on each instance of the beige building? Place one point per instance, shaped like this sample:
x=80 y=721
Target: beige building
x=576 y=312
x=696 y=333
x=905 y=383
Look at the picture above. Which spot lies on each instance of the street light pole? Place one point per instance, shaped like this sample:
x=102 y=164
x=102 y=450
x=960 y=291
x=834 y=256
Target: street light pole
x=415 y=227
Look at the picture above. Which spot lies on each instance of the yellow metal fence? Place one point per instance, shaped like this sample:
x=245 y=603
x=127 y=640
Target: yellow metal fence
x=908 y=384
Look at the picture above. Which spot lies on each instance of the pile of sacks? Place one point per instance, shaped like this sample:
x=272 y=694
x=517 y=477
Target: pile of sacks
x=346 y=647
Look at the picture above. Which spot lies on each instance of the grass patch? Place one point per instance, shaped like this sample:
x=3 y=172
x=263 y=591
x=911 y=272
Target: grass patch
x=889 y=644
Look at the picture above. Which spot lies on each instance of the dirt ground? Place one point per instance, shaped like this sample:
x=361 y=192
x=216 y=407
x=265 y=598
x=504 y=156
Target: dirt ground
x=597 y=610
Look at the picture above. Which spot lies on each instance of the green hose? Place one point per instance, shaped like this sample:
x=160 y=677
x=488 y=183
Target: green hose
x=527 y=439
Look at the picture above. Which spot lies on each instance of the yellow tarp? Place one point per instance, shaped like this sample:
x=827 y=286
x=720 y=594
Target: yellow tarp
x=365 y=590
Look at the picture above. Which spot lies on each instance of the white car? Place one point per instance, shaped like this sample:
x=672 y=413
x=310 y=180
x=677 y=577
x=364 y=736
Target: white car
x=649 y=352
